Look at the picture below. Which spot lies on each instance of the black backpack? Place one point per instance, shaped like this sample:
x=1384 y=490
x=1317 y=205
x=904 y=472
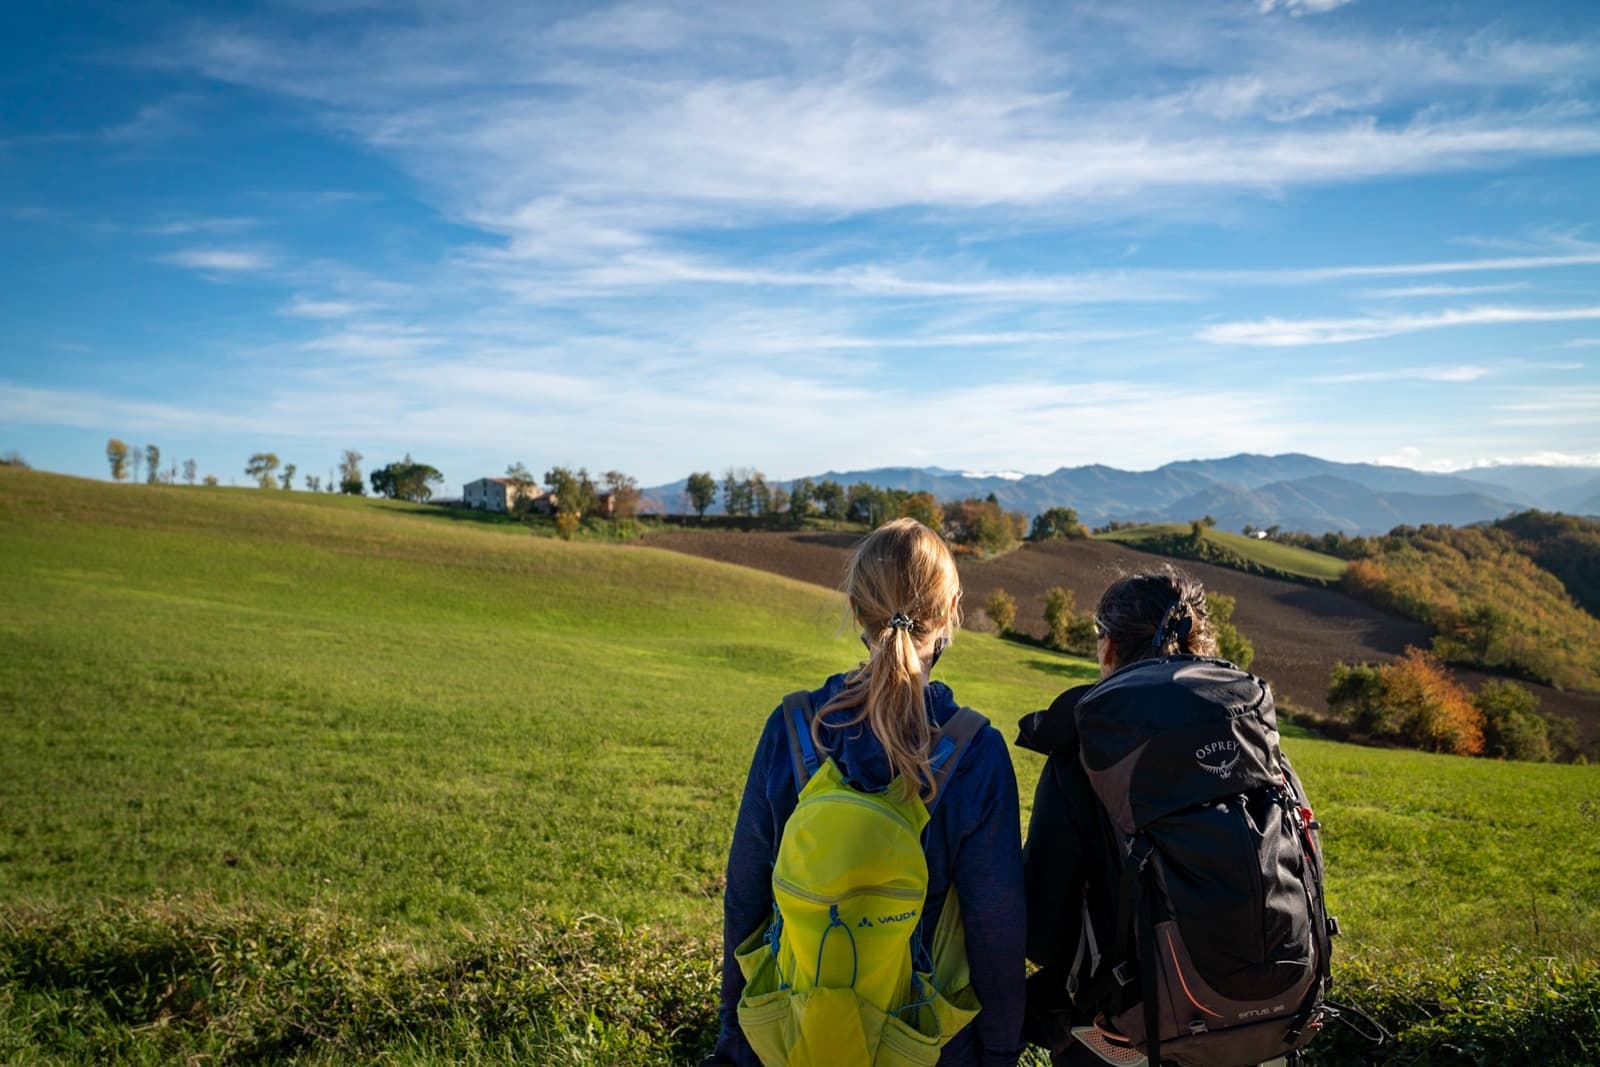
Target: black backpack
x=1221 y=940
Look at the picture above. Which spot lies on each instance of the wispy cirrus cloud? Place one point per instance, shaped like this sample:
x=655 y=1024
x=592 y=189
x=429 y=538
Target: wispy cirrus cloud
x=1299 y=7
x=1280 y=333
x=685 y=114
x=1412 y=292
x=222 y=260
x=1464 y=373
x=306 y=308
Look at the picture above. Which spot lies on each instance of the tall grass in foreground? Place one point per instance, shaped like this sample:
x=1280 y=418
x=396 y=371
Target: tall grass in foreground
x=303 y=776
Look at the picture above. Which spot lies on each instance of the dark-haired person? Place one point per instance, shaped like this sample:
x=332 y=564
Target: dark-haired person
x=882 y=724
x=1070 y=854
x=1180 y=887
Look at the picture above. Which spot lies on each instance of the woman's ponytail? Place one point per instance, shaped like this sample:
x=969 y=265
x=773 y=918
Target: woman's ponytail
x=903 y=586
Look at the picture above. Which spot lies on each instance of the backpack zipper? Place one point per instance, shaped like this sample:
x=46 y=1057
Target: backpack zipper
x=843 y=798
x=818 y=898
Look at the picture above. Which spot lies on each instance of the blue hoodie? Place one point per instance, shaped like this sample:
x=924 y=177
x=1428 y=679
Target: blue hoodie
x=973 y=841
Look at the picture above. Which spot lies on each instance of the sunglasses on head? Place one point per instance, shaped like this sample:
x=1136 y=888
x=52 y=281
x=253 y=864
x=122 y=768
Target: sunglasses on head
x=1100 y=628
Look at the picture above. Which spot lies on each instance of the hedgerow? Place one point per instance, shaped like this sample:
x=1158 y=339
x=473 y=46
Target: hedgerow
x=171 y=981
x=175 y=980
x=1469 y=1010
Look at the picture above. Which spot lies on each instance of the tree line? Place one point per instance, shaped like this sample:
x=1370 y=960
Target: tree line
x=404 y=479
x=972 y=525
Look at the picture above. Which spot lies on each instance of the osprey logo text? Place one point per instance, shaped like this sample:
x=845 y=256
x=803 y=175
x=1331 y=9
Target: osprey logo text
x=1213 y=758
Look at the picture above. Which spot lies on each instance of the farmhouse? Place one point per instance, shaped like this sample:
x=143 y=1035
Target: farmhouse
x=502 y=494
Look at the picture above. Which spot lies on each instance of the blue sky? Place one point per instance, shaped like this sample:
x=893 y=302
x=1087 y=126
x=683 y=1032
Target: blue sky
x=667 y=237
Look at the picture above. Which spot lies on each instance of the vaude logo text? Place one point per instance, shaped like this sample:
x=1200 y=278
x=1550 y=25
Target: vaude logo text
x=1214 y=758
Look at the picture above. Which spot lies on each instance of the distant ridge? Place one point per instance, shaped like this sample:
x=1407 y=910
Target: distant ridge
x=1293 y=490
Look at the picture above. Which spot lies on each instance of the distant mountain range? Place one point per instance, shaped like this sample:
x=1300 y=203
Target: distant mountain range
x=1294 y=491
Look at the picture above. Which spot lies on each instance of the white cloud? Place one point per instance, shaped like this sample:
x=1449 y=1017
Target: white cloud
x=224 y=260
x=1278 y=333
x=1414 y=291
x=183 y=227
x=1466 y=373
x=1537 y=459
x=1576 y=407
x=307 y=308
x=744 y=114
x=1299 y=7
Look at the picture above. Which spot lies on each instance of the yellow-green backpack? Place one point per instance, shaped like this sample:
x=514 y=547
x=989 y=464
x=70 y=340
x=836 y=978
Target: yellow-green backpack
x=839 y=977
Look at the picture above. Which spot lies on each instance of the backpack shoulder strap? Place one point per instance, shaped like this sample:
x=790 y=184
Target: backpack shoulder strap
x=797 y=716
x=955 y=738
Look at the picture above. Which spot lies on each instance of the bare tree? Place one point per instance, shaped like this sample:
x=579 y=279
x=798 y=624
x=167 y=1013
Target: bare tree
x=188 y=471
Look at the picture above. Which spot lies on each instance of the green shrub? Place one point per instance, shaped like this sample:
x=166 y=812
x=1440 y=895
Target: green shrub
x=1355 y=697
x=1232 y=645
x=1059 y=607
x=1081 y=636
x=1512 y=726
x=1002 y=610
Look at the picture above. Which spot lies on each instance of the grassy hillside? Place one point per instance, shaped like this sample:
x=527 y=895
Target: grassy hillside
x=305 y=699
x=292 y=774
x=1231 y=550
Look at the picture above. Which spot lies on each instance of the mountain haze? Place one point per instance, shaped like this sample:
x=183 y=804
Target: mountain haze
x=1294 y=491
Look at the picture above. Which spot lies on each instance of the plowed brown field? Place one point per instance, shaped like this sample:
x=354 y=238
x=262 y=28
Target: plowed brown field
x=1299 y=632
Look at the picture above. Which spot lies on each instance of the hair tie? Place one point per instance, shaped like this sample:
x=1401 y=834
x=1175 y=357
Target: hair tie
x=1160 y=637
x=901 y=621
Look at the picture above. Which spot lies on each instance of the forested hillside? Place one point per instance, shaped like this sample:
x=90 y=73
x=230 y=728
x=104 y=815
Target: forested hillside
x=1565 y=545
x=1492 y=605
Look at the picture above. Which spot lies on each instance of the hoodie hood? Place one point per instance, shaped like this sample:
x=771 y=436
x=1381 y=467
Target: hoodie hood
x=857 y=750
x=1055 y=729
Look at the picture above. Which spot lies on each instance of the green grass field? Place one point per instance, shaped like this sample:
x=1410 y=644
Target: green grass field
x=1271 y=556
x=236 y=718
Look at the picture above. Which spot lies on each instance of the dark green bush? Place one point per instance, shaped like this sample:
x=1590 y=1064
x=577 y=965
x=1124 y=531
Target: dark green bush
x=1512 y=725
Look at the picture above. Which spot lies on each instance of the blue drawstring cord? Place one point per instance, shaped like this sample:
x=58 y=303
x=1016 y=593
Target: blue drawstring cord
x=925 y=992
x=833 y=915
x=774 y=932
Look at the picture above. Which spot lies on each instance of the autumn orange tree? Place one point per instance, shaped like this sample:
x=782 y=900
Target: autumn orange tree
x=1413 y=700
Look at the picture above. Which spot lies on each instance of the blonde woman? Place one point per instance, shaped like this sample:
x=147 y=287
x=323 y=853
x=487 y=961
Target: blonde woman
x=883 y=726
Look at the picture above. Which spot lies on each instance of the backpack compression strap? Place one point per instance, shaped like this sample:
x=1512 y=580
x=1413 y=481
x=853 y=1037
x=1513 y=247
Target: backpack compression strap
x=954 y=739
x=797 y=713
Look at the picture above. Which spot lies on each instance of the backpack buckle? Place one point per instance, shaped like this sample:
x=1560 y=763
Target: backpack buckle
x=1124 y=975
x=1140 y=849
